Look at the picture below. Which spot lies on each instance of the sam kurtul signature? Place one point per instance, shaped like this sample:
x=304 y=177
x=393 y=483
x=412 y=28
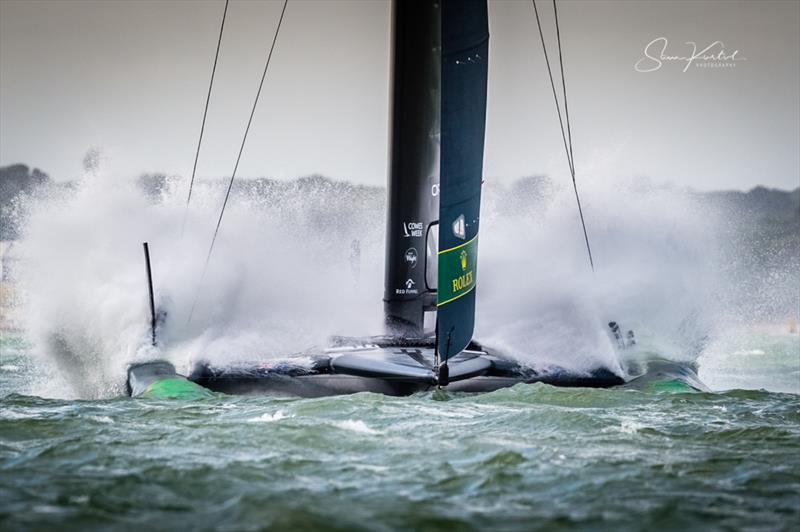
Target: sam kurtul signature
x=713 y=55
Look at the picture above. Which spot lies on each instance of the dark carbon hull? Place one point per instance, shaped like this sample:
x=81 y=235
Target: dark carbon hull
x=381 y=366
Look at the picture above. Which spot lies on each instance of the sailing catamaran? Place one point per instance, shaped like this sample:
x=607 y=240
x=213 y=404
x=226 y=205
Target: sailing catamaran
x=439 y=84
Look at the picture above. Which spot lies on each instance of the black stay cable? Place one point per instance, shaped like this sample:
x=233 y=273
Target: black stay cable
x=241 y=147
x=565 y=135
x=553 y=86
x=563 y=86
x=247 y=130
x=208 y=99
x=569 y=136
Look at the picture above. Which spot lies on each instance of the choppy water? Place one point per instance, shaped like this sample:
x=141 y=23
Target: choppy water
x=529 y=457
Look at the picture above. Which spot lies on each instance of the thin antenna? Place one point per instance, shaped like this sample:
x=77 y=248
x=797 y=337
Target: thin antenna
x=150 y=290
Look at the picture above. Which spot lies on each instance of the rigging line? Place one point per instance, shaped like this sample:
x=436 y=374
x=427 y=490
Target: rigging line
x=569 y=135
x=241 y=149
x=552 y=85
x=205 y=111
x=567 y=146
x=563 y=86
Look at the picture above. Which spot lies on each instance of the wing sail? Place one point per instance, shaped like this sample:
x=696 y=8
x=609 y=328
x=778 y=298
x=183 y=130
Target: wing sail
x=465 y=54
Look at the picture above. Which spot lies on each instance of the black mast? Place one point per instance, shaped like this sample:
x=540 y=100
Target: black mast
x=414 y=167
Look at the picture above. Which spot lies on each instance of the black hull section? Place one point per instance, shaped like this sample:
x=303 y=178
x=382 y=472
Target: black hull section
x=325 y=385
x=386 y=366
x=391 y=366
x=321 y=385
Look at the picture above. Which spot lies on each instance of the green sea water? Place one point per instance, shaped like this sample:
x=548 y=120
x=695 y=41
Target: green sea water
x=526 y=458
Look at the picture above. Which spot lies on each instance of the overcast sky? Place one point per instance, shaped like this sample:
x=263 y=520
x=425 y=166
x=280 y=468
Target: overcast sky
x=130 y=77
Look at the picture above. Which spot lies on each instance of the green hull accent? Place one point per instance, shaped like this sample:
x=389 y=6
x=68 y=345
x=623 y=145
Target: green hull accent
x=176 y=388
x=667 y=376
x=670 y=386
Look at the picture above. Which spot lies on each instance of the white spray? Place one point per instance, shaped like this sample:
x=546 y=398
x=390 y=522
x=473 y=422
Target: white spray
x=281 y=279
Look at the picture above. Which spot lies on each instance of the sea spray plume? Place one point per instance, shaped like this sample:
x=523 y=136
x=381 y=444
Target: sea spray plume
x=282 y=282
x=661 y=256
x=533 y=281
x=285 y=273
x=80 y=284
x=18 y=184
x=538 y=302
x=761 y=253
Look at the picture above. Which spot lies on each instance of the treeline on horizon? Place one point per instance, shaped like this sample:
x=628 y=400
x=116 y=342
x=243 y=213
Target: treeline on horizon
x=772 y=210
x=759 y=233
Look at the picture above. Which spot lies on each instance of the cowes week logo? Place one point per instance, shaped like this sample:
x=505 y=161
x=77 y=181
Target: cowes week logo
x=658 y=53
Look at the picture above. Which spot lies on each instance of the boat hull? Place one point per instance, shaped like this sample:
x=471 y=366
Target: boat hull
x=377 y=365
x=327 y=384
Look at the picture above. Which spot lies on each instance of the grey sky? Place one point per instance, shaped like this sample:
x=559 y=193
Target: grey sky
x=131 y=77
